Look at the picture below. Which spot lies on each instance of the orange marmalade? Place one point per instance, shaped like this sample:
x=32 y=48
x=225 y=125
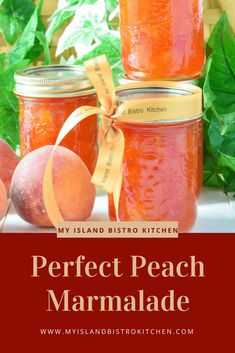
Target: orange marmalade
x=47 y=96
x=162 y=166
x=162 y=38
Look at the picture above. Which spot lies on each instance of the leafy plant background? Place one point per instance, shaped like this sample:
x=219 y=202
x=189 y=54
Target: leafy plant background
x=93 y=29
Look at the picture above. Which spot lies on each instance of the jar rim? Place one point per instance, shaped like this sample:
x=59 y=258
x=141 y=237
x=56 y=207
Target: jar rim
x=52 y=81
x=167 y=101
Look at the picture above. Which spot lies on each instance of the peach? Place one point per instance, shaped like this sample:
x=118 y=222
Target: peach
x=8 y=163
x=74 y=192
x=3 y=200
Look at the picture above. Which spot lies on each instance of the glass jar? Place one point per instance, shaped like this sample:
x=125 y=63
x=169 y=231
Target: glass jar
x=162 y=39
x=162 y=163
x=47 y=96
x=123 y=80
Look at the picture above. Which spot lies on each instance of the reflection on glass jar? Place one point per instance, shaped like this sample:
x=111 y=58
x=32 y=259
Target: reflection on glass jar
x=162 y=170
x=162 y=38
x=47 y=96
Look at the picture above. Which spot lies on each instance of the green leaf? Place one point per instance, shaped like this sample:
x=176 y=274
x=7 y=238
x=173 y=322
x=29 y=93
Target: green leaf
x=66 y=9
x=9 y=129
x=112 y=9
x=90 y=35
x=28 y=47
x=110 y=46
x=25 y=44
x=212 y=179
x=7 y=76
x=2 y=62
x=13 y=18
x=84 y=31
x=58 y=18
x=44 y=43
x=112 y=4
x=219 y=100
x=216 y=32
x=211 y=173
x=9 y=118
x=227 y=151
x=22 y=47
x=8 y=101
x=230 y=182
x=90 y=32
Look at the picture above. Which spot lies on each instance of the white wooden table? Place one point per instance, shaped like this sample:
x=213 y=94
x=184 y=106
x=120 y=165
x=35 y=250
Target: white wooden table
x=216 y=214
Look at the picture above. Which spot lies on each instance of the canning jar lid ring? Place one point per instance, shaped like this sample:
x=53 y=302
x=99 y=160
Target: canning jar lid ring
x=179 y=101
x=52 y=81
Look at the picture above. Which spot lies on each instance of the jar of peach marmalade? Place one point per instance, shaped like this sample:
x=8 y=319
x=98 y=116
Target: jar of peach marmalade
x=47 y=96
x=162 y=38
x=162 y=159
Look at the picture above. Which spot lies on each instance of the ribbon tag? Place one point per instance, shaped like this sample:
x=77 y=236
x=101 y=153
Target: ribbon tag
x=108 y=171
x=100 y=75
x=110 y=159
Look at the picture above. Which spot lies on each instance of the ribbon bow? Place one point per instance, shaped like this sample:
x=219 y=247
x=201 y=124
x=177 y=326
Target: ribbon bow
x=108 y=172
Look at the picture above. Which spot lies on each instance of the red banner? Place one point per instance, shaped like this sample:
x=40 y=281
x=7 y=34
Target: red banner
x=46 y=282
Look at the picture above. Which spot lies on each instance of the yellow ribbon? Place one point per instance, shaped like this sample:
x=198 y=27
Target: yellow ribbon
x=109 y=168
x=108 y=172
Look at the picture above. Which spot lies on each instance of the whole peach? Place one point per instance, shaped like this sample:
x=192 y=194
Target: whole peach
x=8 y=163
x=74 y=192
x=3 y=200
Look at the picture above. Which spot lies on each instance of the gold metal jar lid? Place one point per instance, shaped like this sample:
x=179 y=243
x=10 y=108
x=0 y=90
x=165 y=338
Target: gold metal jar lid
x=159 y=101
x=53 y=81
